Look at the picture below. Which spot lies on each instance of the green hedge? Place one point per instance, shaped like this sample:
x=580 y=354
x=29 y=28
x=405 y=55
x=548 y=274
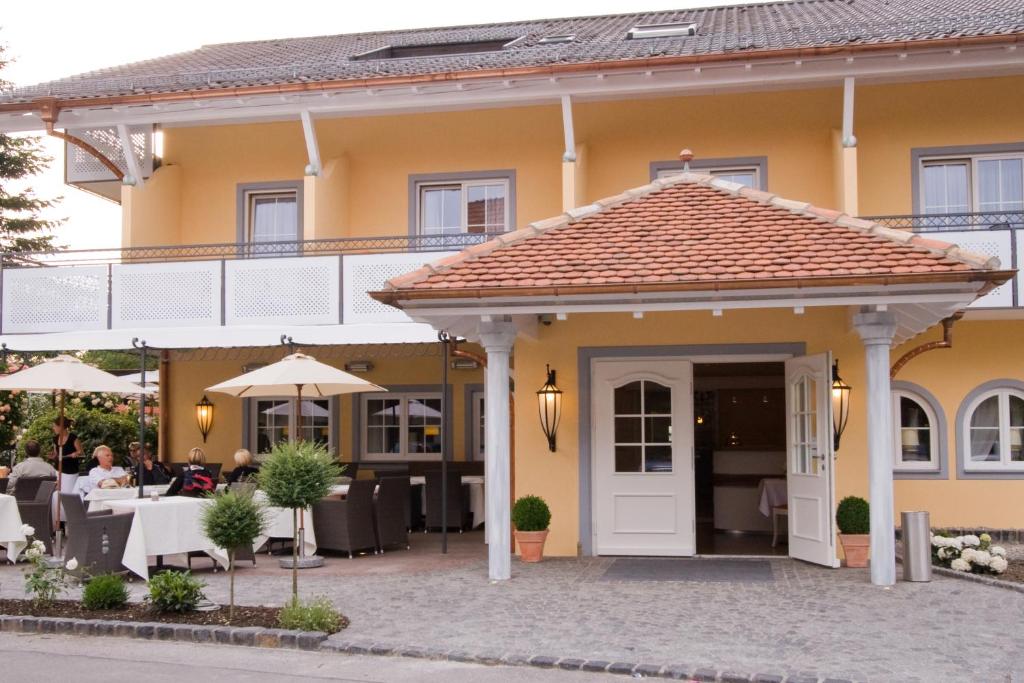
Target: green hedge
x=94 y=427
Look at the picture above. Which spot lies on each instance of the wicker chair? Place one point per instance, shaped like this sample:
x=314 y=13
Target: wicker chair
x=85 y=536
x=458 y=501
x=347 y=525
x=3 y=485
x=37 y=510
x=392 y=512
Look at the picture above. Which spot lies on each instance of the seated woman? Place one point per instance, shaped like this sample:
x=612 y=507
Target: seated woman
x=153 y=472
x=195 y=480
x=245 y=467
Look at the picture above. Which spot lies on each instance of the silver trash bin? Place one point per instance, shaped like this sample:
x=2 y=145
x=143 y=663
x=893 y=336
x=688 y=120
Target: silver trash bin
x=917 y=546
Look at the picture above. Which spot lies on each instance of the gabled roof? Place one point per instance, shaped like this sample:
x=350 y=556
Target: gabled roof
x=691 y=232
x=737 y=30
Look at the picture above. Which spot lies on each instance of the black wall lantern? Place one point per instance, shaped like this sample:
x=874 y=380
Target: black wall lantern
x=204 y=417
x=840 y=405
x=549 y=402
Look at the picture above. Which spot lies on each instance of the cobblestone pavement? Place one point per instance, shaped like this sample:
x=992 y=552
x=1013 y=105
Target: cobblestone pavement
x=807 y=620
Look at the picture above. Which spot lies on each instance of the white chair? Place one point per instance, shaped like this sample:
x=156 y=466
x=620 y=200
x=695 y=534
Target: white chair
x=778 y=511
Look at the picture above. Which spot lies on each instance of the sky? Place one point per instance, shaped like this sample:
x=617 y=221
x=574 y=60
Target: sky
x=71 y=37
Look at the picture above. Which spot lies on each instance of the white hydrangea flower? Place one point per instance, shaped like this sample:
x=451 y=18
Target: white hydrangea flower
x=33 y=552
x=108 y=405
x=960 y=565
x=998 y=565
x=95 y=401
x=981 y=558
x=968 y=555
x=39 y=545
x=28 y=530
x=72 y=564
x=971 y=539
x=997 y=551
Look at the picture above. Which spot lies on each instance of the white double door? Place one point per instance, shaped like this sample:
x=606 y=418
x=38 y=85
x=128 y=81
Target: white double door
x=643 y=467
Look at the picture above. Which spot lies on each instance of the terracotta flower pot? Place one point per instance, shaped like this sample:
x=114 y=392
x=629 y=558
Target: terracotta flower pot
x=531 y=545
x=856 y=548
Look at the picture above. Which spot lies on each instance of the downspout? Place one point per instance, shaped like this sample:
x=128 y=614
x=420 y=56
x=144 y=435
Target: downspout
x=945 y=343
x=48 y=113
x=482 y=360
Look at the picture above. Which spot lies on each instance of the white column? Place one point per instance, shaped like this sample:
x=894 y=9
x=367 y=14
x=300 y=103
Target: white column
x=876 y=330
x=497 y=339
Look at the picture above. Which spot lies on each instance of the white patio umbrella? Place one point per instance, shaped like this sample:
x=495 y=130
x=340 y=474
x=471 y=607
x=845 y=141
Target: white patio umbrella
x=64 y=374
x=295 y=375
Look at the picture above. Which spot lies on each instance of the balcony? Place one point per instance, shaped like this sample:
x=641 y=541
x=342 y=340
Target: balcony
x=279 y=285
x=994 y=234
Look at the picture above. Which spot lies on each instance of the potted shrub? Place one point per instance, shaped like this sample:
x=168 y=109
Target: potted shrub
x=853 y=520
x=233 y=520
x=531 y=517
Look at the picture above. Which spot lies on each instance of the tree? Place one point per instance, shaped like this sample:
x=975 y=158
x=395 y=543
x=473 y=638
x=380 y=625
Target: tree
x=233 y=520
x=22 y=227
x=295 y=476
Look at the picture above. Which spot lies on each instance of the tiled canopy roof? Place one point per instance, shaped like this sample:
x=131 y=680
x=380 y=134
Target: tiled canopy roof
x=692 y=232
x=735 y=30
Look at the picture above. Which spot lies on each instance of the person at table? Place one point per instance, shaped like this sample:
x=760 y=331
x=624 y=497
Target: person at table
x=195 y=480
x=67 y=447
x=246 y=468
x=134 y=454
x=153 y=473
x=32 y=467
x=106 y=475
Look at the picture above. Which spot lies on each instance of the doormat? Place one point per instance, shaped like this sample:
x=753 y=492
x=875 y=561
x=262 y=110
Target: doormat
x=688 y=569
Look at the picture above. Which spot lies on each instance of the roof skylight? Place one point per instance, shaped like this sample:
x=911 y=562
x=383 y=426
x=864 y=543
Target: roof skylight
x=670 y=30
x=549 y=40
x=435 y=49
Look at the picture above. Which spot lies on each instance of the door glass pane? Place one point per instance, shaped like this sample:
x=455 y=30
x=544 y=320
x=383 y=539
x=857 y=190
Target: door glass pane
x=424 y=435
x=627 y=399
x=657 y=399
x=985 y=431
x=658 y=429
x=1000 y=187
x=628 y=458
x=804 y=426
x=915 y=432
x=485 y=208
x=657 y=459
x=441 y=210
x=946 y=188
x=628 y=430
x=642 y=440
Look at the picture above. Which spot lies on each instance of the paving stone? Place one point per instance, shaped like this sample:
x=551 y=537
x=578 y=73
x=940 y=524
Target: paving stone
x=203 y=634
x=621 y=667
x=164 y=632
x=183 y=633
x=66 y=625
x=10 y=624
x=46 y=625
x=648 y=670
x=768 y=678
x=28 y=625
x=245 y=636
x=310 y=640
x=515 y=659
x=101 y=627
x=733 y=677
x=383 y=650
x=705 y=674
x=458 y=656
x=269 y=637
x=146 y=631
x=595 y=665
x=543 y=661
x=123 y=629
x=802 y=678
x=571 y=664
x=288 y=638
x=676 y=672
x=416 y=652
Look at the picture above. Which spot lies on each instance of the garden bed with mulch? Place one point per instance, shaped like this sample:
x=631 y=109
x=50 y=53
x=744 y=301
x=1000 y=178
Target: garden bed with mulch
x=265 y=617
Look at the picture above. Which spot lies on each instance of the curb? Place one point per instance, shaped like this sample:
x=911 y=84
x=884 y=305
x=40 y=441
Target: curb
x=254 y=636
x=978 y=578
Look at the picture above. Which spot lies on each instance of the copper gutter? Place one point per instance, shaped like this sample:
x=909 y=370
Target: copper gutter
x=49 y=113
x=992 y=279
x=518 y=72
x=945 y=343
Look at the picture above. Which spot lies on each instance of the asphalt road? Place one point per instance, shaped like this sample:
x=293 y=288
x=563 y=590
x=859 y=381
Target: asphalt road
x=27 y=657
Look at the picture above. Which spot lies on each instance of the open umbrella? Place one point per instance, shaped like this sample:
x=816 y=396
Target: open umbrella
x=295 y=375
x=64 y=374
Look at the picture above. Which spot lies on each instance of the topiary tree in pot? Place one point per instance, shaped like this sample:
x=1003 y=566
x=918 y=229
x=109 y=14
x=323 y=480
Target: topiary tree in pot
x=295 y=476
x=531 y=517
x=232 y=520
x=853 y=518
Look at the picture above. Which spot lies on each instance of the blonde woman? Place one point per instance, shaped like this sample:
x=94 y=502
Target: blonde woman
x=245 y=467
x=195 y=479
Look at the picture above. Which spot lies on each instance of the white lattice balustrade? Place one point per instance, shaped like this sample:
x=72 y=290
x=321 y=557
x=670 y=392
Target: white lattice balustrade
x=83 y=167
x=364 y=273
x=989 y=243
x=166 y=294
x=299 y=291
x=54 y=299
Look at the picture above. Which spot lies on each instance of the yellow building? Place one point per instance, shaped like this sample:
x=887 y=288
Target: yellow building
x=293 y=199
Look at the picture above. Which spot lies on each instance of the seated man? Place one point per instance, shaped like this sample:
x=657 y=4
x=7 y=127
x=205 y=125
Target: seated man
x=105 y=475
x=33 y=466
x=153 y=472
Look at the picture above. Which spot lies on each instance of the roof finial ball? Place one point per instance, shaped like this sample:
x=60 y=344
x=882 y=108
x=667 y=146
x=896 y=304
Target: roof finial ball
x=686 y=156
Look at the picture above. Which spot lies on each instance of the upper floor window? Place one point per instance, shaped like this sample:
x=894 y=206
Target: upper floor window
x=744 y=175
x=469 y=206
x=994 y=431
x=270 y=213
x=989 y=183
x=748 y=171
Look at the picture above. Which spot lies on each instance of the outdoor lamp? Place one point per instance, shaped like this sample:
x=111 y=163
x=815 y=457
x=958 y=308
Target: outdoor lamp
x=840 y=405
x=549 y=402
x=204 y=417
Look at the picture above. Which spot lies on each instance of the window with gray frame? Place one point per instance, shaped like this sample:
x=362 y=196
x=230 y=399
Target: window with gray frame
x=270 y=216
x=458 y=203
x=748 y=171
x=981 y=183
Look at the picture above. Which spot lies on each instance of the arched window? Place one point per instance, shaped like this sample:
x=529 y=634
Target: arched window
x=919 y=433
x=991 y=429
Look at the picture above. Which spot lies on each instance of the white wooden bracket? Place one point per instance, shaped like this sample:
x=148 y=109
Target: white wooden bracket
x=134 y=176
x=849 y=140
x=570 y=137
x=312 y=149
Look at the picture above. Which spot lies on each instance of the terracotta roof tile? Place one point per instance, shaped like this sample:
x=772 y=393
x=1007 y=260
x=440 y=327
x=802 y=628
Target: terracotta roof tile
x=690 y=229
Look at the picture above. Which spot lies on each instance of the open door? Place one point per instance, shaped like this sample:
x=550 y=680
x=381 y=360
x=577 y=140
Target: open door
x=810 y=468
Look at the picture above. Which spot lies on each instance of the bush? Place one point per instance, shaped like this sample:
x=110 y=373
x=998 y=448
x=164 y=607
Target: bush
x=531 y=513
x=316 y=615
x=175 y=592
x=233 y=520
x=94 y=427
x=853 y=516
x=106 y=591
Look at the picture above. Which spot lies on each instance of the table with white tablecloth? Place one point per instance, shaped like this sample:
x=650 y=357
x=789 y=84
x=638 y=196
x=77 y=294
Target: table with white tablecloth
x=98 y=496
x=772 y=493
x=279 y=525
x=476 y=494
x=11 y=535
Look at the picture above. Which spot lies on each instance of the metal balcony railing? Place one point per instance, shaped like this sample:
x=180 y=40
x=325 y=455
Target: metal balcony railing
x=386 y=244
x=943 y=222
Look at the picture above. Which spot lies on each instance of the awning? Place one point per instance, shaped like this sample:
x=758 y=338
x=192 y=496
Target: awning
x=222 y=337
